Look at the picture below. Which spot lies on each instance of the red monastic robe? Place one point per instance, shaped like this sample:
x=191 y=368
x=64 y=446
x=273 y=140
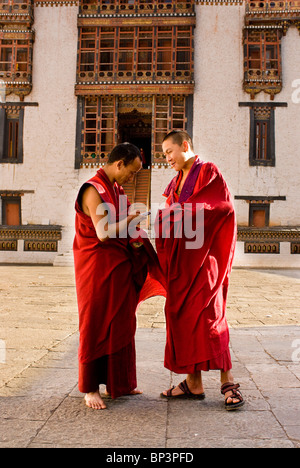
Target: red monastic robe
x=112 y=278
x=197 y=279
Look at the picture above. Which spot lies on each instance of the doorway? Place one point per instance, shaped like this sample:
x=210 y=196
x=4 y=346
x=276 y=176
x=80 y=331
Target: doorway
x=136 y=128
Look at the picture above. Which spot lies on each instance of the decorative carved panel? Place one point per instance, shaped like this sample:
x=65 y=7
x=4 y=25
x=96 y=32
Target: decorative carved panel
x=262 y=247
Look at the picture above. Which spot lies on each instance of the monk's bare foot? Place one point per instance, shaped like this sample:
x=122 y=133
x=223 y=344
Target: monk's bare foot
x=94 y=401
x=136 y=392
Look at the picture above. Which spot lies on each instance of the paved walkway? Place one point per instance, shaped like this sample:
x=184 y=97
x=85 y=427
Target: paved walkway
x=40 y=405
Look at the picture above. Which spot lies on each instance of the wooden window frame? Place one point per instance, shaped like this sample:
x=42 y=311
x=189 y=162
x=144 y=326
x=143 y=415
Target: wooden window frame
x=13 y=140
x=125 y=61
x=169 y=114
x=13 y=64
x=184 y=69
x=87 y=46
x=262 y=148
x=9 y=200
x=126 y=68
x=107 y=70
x=96 y=116
x=262 y=41
x=144 y=52
x=262 y=207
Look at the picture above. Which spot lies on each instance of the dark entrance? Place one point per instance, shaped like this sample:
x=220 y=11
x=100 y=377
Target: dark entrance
x=136 y=128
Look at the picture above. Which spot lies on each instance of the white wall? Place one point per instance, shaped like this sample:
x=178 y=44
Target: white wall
x=221 y=127
x=49 y=130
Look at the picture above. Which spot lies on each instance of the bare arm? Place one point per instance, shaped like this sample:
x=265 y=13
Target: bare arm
x=91 y=202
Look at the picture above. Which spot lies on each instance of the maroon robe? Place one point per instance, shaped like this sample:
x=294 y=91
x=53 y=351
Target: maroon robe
x=112 y=278
x=197 y=279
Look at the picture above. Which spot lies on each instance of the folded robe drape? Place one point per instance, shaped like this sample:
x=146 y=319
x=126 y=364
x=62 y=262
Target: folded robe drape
x=112 y=278
x=197 y=278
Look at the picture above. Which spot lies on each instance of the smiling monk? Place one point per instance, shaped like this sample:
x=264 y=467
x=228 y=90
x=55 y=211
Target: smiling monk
x=197 y=273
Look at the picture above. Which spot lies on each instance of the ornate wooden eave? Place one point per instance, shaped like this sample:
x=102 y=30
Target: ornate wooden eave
x=185 y=19
x=17 y=14
x=119 y=88
x=116 y=7
x=56 y=3
x=274 y=234
x=284 y=14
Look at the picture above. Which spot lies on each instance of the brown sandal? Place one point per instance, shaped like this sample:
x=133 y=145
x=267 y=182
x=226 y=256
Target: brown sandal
x=236 y=395
x=187 y=394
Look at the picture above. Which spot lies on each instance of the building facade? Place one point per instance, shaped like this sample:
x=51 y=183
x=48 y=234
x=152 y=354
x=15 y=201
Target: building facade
x=78 y=77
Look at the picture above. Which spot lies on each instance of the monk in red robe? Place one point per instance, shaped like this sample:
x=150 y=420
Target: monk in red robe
x=196 y=239
x=115 y=268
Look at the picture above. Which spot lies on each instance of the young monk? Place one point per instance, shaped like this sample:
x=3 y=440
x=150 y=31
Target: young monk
x=111 y=269
x=197 y=275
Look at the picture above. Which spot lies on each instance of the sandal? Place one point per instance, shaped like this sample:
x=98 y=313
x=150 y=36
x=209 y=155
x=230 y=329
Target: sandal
x=187 y=394
x=236 y=395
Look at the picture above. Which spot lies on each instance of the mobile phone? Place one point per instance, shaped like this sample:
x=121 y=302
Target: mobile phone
x=147 y=213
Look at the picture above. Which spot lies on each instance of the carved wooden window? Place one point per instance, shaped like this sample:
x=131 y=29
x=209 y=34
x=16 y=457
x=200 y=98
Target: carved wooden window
x=12 y=138
x=135 y=53
x=6 y=53
x=262 y=136
x=170 y=113
x=126 y=52
x=14 y=57
x=87 y=60
x=183 y=49
x=145 y=57
x=11 y=135
x=99 y=127
x=107 y=40
x=262 y=61
x=165 y=41
x=261 y=141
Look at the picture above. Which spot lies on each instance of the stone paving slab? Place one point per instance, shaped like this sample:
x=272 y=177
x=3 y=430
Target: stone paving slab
x=43 y=407
x=40 y=405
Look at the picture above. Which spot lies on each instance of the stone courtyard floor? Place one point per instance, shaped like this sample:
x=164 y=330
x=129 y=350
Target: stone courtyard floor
x=40 y=405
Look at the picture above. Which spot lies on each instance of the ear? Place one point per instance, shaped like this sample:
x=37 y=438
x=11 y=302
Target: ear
x=120 y=164
x=185 y=146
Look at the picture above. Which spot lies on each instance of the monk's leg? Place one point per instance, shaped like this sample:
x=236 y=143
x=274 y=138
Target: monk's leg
x=121 y=372
x=91 y=375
